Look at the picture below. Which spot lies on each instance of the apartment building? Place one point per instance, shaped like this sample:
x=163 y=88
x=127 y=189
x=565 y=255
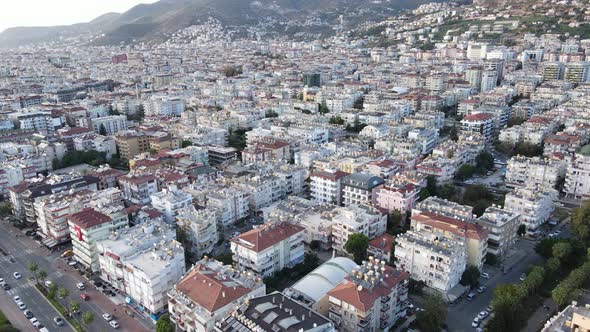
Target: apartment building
x=357 y=189
x=104 y=144
x=138 y=188
x=89 y=226
x=381 y=247
x=230 y=205
x=577 y=72
x=444 y=207
x=143 y=262
x=165 y=105
x=479 y=123
x=221 y=154
x=288 y=315
x=112 y=124
x=442 y=169
x=534 y=205
x=525 y=171
x=438 y=262
x=199 y=228
x=395 y=196
x=269 y=248
x=502 y=226
x=577 y=178
x=326 y=186
x=374 y=297
x=474 y=237
x=263 y=190
x=170 y=201
x=132 y=143
x=267 y=149
x=208 y=293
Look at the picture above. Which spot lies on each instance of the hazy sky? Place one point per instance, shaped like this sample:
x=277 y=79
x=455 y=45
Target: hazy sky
x=56 y=12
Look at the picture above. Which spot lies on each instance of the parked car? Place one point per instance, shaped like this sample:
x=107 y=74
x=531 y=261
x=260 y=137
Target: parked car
x=489 y=308
x=485 y=275
x=80 y=286
x=58 y=320
x=114 y=324
x=522 y=277
x=482 y=315
x=107 y=317
x=34 y=321
x=2 y=282
x=67 y=253
x=470 y=296
x=21 y=305
x=6 y=287
x=85 y=296
x=16 y=298
x=28 y=314
x=48 y=283
x=481 y=289
x=16 y=275
x=475 y=322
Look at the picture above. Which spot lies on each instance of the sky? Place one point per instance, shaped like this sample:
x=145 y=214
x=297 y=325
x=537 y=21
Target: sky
x=58 y=12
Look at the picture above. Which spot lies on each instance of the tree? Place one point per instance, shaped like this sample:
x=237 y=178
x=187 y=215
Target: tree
x=314 y=245
x=225 y=258
x=453 y=133
x=434 y=315
x=323 y=107
x=528 y=149
x=62 y=293
x=357 y=245
x=484 y=162
x=515 y=121
x=508 y=314
x=51 y=291
x=465 y=172
x=33 y=267
x=55 y=164
x=164 y=324
x=545 y=247
x=271 y=114
x=562 y=250
x=186 y=143
x=103 y=130
x=336 y=120
x=87 y=318
x=424 y=194
x=74 y=306
x=42 y=275
x=394 y=220
x=358 y=104
x=581 y=221
x=470 y=276
x=521 y=230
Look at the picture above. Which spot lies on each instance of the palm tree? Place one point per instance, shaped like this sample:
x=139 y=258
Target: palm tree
x=74 y=307
x=87 y=318
x=62 y=293
x=42 y=275
x=33 y=267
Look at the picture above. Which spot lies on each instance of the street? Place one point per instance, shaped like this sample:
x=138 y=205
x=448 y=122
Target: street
x=461 y=314
x=24 y=250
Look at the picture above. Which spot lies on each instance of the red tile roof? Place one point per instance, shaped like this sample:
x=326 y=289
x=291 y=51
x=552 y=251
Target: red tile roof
x=267 y=235
x=383 y=242
x=88 y=217
x=329 y=175
x=448 y=224
x=478 y=117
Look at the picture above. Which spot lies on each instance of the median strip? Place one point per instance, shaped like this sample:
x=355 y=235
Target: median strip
x=60 y=308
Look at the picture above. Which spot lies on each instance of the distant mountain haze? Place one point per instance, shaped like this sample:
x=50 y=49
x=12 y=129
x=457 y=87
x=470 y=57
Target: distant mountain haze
x=155 y=21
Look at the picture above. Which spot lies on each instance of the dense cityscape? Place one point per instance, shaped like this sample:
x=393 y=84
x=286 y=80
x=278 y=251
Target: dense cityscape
x=377 y=169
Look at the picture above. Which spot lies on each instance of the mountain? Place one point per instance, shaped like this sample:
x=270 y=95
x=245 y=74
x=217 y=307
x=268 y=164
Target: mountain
x=157 y=20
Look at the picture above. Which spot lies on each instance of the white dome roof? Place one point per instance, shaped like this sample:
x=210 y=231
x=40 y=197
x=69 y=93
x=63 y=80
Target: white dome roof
x=321 y=280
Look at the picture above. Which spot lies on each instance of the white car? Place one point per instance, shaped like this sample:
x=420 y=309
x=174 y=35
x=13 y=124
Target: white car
x=21 y=305
x=2 y=282
x=34 y=321
x=48 y=283
x=482 y=315
x=80 y=286
x=107 y=317
x=485 y=275
x=16 y=275
x=475 y=322
x=114 y=324
x=16 y=299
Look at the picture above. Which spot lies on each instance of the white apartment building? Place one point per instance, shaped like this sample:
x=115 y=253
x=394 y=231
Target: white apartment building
x=534 y=205
x=89 y=226
x=262 y=190
x=577 y=179
x=144 y=262
x=200 y=229
x=170 y=201
x=357 y=188
x=165 y=106
x=112 y=124
x=138 y=188
x=502 y=226
x=524 y=171
x=208 y=293
x=326 y=186
x=230 y=205
x=374 y=297
x=442 y=168
x=293 y=178
x=269 y=248
x=479 y=123
x=439 y=263
x=106 y=144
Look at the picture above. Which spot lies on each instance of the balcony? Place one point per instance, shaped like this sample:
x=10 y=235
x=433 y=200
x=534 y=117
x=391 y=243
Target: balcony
x=363 y=323
x=336 y=310
x=385 y=299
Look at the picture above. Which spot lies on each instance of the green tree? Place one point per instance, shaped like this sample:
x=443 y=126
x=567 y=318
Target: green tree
x=271 y=114
x=508 y=315
x=545 y=247
x=42 y=275
x=62 y=293
x=431 y=185
x=465 y=172
x=314 y=245
x=528 y=149
x=102 y=130
x=55 y=164
x=562 y=250
x=323 y=107
x=357 y=245
x=164 y=324
x=336 y=120
x=87 y=318
x=74 y=306
x=521 y=230
x=453 y=134
x=225 y=258
x=186 y=143
x=515 y=121
x=434 y=315
x=581 y=221
x=51 y=291
x=424 y=194
x=484 y=162
x=394 y=221
x=470 y=276
x=33 y=268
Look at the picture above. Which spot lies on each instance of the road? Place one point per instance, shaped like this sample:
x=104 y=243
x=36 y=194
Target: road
x=24 y=250
x=461 y=314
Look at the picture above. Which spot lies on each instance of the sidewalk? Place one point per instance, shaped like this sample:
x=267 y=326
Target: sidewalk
x=540 y=316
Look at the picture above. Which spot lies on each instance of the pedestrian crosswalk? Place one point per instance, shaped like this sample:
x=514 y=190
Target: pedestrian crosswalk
x=19 y=287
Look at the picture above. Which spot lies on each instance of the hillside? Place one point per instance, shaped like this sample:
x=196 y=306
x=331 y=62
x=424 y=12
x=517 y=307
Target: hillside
x=156 y=21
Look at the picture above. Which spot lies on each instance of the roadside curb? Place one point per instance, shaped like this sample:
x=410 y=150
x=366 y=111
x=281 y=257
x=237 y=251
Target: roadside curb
x=56 y=309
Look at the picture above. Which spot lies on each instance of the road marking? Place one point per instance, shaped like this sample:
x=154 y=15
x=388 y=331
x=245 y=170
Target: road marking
x=58 y=274
x=28 y=251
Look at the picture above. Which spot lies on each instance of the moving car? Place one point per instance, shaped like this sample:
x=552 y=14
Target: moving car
x=16 y=275
x=114 y=324
x=80 y=286
x=107 y=317
x=85 y=296
x=58 y=320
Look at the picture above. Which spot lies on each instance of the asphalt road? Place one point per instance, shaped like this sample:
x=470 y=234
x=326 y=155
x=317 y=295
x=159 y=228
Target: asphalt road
x=25 y=250
x=461 y=314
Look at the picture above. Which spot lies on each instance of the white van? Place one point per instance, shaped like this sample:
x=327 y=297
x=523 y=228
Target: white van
x=470 y=296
